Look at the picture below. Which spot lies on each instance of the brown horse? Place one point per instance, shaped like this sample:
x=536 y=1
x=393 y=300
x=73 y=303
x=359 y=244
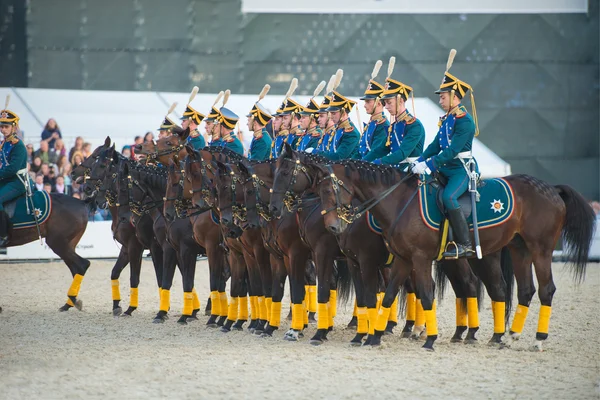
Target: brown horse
x=542 y=213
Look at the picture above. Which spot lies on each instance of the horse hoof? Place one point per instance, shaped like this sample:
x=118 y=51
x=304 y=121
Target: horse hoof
x=405 y=335
x=387 y=333
x=456 y=340
x=225 y=329
x=64 y=308
x=471 y=341
x=158 y=321
x=212 y=325
x=315 y=342
x=374 y=342
x=182 y=320
x=79 y=304
x=537 y=347
x=266 y=335
x=353 y=324
x=192 y=319
x=117 y=311
x=428 y=348
x=126 y=314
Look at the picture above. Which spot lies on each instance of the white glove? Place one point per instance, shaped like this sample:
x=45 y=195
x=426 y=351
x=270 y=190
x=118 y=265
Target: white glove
x=309 y=150
x=419 y=168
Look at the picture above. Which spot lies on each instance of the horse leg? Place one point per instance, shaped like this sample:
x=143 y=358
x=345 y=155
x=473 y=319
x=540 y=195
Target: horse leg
x=411 y=308
x=169 y=264
x=238 y=275
x=243 y=302
x=156 y=252
x=311 y=291
x=121 y=263
x=261 y=261
x=297 y=265
x=255 y=287
x=216 y=260
x=367 y=314
x=426 y=292
x=279 y=275
x=542 y=262
x=135 y=250
x=361 y=307
x=323 y=259
x=521 y=260
x=187 y=256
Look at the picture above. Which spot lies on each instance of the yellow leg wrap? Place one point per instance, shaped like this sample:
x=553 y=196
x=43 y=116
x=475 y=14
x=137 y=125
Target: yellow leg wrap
x=116 y=293
x=297 y=319
x=499 y=309
x=75 y=285
x=232 y=314
x=333 y=303
x=322 y=316
x=379 y=299
x=188 y=303
x=544 y=321
x=411 y=306
x=519 y=320
x=431 y=321
x=133 y=297
x=472 y=312
x=305 y=311
x=196 y=300
x=223 y=299
x=254 y=307
x=262 y=308
x=461 y=313
x=69 y=302
x=268 y=302
x=312 y=298
x=394 y=311
x=305 y=293
x=363 y=321
x=355 y=311
x=372 y=315
x=243 y=313
x=382 y=318
x=330 y=315
x=215 y=303
x=419 y=314
x=494 y=310
x=165 y=300
x=275 y=319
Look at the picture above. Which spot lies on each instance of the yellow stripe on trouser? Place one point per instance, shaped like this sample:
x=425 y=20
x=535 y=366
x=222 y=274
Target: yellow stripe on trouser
x=312 y=298
x=461 y=313
x=254 y=307
x=215 y=303
x=297 y=319
x=262 y=308
x=188 y=303
x=419 y=314
x=373 y=315
x=544 y=321
x=519 y=320
x=268 y=302
x=394 y=311
x=243 y=308
x=75 y=285
x=232 y=314
x=223 y=299
x=472 y=312
x=382 y=319
x=363 y=322
x=133 y=297
x=195 y=300
x=165 y=300
x=431 y=320
x=275 y=318
x=116 y=293
x=322 y=316
x=499 y=325
x=411 y=306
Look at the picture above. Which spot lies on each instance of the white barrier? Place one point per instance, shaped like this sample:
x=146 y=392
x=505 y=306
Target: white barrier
x=97 y=242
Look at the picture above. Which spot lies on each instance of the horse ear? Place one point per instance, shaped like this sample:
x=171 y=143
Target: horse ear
x=243 y=170
x=190 y=149
x=220 y=166
x=107 y=141
x=125 y=168
x=287 y=151
x=184 y=135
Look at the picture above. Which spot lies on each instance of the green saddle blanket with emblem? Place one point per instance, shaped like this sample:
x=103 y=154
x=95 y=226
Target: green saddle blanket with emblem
x=495 y=205
x=21 y=216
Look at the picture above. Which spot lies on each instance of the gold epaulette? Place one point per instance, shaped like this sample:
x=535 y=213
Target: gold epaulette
x=14 y=139
x=459 y=111
x=379 y=118
x=345 y=125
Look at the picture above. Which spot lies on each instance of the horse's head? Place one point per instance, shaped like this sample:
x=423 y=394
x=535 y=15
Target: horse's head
x=336 y=197
x=81 y=172
x=123 y=199
x=198 y=177
x=167 y=147
x=251 y=193
x=230 y=198
x=100 y=167
x=292 y=178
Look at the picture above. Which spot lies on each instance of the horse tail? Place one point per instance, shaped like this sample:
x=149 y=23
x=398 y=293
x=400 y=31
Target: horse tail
x=506 y=265
x=90 y=204
x=343 y=281
x=402 y=300
x=441 y=280
x=577 y=231
x=480 y=293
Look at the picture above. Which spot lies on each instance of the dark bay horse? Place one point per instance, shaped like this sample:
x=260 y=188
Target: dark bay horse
x=542 y=213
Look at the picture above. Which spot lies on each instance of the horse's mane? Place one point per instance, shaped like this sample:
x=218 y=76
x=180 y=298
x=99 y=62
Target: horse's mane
x=232 y=155
x=371 y=173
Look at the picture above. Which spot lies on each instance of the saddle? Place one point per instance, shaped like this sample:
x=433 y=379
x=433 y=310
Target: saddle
x=17 y=210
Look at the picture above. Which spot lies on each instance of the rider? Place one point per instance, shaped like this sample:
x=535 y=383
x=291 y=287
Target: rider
x=211 y=127
x=344 y=143
x=308 y=122
x=279 y=134
x=13 y=167
x=375 y=133
x=192 y=119
x=450 y=155
x=406 y=136
x=291 y=122
x=226 y=122
x=325 y=122
x=258 y=118
x=166 y=128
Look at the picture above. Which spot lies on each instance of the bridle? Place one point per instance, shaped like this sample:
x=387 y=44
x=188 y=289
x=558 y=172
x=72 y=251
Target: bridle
x=173 y=149
x=290 y=199
x=140 y=208
x=261 y=208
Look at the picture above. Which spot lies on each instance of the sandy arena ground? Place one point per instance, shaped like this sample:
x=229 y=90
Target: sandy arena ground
x=45 y=354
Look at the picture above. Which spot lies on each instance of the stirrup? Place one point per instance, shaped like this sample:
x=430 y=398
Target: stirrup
x=4 y=241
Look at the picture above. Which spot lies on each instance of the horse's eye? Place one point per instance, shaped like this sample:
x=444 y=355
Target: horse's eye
x=168 y=143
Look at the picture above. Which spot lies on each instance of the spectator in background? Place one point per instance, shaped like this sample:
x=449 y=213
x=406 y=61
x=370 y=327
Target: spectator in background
x=126 y=151
x=52 y=175
x=148 y=137
x=48 y=187
x=87 y=150
x=39 y=182
x=60 y=186
x=77 y=158
x=45 y=154
x=65 y=170
x=76 y=195
x=36 y=164
x=78 y=147
x=51 y=133
x=137 y=140
x=596 y=207
x=59 y=148
x=62 y=160
x=29 y=149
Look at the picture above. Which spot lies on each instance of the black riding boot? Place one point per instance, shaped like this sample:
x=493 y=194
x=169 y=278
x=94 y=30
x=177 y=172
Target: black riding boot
x=4 y=225
x=460 y=229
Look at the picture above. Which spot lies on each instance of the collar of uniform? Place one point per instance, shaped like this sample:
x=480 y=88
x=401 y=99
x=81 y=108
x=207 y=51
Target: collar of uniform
x=194 y=133
x=345 y=125
x=314 y=131
x=228 y=138
x=330 y=130
x=215 y=137
x=458 y=111
x=283 y=132
x=12 y=138
x=378 y=118
x=258 y=134
x=297 y=131
x=406 y=117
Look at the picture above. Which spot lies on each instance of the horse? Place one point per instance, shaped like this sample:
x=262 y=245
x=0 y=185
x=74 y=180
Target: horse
x=541 y=214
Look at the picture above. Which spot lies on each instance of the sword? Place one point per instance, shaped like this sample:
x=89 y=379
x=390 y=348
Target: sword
x=30 y=199
x=473 y=191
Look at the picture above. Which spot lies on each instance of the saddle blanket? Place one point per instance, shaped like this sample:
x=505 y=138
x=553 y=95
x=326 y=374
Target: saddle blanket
x=17 y=210
x=495 y=206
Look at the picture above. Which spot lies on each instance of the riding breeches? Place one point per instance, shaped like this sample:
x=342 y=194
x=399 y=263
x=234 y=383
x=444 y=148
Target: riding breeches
x=10 y=191
x=458 y=183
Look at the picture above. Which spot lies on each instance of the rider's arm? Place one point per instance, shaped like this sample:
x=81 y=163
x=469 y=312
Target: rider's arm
x=348 y=144
x=378 y=147
x=415 y=133
x=17 y=161
x=464 y=132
